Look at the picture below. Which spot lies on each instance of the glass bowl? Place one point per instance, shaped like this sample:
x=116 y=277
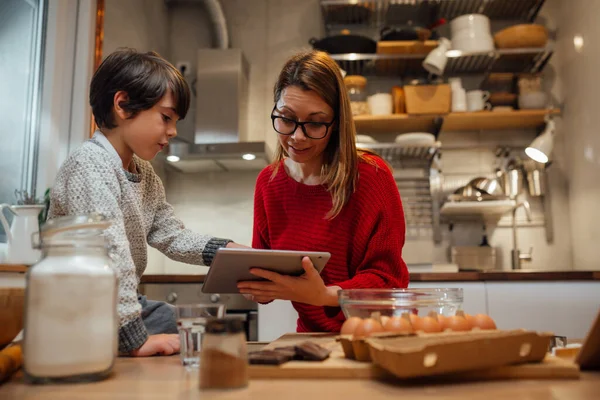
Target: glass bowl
x=364 y=303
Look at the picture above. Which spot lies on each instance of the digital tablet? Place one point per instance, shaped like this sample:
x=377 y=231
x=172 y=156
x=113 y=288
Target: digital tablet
x=231 y=266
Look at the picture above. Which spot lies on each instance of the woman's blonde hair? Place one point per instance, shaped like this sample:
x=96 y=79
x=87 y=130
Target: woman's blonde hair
x=315 y=70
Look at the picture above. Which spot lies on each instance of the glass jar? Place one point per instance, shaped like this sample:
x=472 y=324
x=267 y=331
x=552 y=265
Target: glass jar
x=71 y=321
x=224 y=357
x=356 y=87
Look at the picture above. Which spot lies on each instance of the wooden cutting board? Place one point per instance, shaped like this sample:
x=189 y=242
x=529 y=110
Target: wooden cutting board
x=338 y=367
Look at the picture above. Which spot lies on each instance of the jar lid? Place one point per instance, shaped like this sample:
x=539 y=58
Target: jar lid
x=355 y=80
x=85 y=229
x=224 y=325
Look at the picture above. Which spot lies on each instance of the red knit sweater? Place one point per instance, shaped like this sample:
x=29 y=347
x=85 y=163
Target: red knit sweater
x=365 y=240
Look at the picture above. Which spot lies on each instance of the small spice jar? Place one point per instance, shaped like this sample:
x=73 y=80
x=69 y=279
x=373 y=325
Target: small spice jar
x=356 y=85
x=71 y=321
x=224 y=357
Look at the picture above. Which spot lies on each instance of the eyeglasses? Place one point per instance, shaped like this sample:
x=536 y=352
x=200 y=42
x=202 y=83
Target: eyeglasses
x=287 y=126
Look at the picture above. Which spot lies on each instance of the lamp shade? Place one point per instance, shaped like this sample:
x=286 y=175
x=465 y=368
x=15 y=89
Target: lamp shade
x=539 y=150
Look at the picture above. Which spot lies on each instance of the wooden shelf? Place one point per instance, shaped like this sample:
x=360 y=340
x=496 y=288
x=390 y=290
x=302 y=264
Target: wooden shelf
x=13 y=268
x=394 y=123
x=467 y=121
x=495 y=120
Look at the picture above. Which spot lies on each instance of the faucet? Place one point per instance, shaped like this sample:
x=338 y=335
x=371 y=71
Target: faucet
x=516 y=255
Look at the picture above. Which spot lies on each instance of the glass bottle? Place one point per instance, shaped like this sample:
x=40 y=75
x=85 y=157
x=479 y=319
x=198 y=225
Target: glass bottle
x=71 y=321
x=224 y=358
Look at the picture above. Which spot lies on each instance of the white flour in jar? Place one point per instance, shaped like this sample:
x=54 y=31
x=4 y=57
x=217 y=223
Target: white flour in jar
x=70 y=324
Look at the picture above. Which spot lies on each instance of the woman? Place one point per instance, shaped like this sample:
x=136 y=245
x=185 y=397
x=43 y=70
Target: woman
x=322 y=194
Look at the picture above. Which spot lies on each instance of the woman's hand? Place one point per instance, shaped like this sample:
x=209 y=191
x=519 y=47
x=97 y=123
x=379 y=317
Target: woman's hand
x=308 y=288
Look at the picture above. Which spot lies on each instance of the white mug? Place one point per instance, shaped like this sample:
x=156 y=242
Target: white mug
x=477 y=100
x=380 y=104
x=436 y=60
x=459 y=100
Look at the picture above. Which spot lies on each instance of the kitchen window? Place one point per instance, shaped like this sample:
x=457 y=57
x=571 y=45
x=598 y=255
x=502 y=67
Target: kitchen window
x=22 y=26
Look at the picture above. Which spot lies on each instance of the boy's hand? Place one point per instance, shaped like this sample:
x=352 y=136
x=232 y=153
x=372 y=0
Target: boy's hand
x=163 y=345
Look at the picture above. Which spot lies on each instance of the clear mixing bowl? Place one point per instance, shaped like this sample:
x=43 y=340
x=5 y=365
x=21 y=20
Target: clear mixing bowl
x=364 y=303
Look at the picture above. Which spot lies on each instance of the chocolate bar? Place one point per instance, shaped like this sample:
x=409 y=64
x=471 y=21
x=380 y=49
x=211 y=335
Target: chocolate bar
x=269 y=357
x=310 y=351
x=288 y=351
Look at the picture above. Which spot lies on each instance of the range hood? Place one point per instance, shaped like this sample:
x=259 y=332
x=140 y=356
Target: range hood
x=217 y=139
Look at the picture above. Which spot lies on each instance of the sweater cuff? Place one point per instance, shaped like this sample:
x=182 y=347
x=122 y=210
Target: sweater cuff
x=132 y=335
x=208 y=254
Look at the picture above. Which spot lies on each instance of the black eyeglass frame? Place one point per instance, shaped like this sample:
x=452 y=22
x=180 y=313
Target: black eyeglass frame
x=327 y=125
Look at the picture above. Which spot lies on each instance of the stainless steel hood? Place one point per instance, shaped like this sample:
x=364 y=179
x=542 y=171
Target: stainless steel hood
x=218 y=138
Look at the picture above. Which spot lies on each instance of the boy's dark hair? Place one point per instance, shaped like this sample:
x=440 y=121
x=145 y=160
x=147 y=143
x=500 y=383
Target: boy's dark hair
x=145 y=77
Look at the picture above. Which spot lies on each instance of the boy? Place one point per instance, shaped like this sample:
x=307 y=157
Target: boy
x=136 y=99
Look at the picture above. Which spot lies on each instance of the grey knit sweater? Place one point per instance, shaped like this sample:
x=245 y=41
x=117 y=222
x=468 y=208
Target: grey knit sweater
x=92 y=179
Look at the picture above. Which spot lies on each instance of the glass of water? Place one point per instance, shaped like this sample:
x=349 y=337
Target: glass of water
x=191 y=321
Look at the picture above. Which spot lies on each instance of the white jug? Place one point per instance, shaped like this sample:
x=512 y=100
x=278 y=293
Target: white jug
x=18 y=248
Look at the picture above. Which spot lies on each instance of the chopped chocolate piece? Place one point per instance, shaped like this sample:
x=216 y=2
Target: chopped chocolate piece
x=288 y=351
x=312 y=352
x=268 y=357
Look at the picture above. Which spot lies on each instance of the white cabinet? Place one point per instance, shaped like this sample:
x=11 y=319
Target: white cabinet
x=474 y=297
x=276 y=319
x=566 y=308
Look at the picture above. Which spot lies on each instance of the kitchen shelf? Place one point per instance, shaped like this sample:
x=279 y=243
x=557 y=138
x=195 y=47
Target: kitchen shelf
x=394 y=123
x=404 y=156
x=466 y=121
x=495 y=120
x=523 y=60
x=339 y=14
x=488 y=209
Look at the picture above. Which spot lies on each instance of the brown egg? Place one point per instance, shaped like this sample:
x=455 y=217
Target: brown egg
x=442 y=319
x=368 y=327
x=415 y=320
x=483 y=321
x=470 y=319
x=430 y=325
x=384 y=319
x=398 y=324
x=350 y=325
x=457 y=324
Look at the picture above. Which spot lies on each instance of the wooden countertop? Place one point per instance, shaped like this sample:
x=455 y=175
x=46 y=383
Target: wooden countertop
x=164 y=378
x=523 y=275
x=497 y=276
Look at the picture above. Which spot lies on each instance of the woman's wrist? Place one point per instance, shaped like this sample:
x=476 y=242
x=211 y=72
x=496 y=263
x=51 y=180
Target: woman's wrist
x=330 y=297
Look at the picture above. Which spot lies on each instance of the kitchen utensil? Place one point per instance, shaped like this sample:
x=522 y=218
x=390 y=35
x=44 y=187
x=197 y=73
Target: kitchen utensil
x=503 y=99
x=512 y=179
x=427 y=99
x=18 y=248
x=191 y=326
x=394 y=302
x=12 y=301
x=436 y=60
x=380 y=104
x=521 y=36
x=536 y=180
x=477 y=100
x=344 y=43
x=491 y=186
x=399 y=100
x=470 y=33
x=415 y=139
x=533 y=101
x=411 y=33
x=471 y=23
